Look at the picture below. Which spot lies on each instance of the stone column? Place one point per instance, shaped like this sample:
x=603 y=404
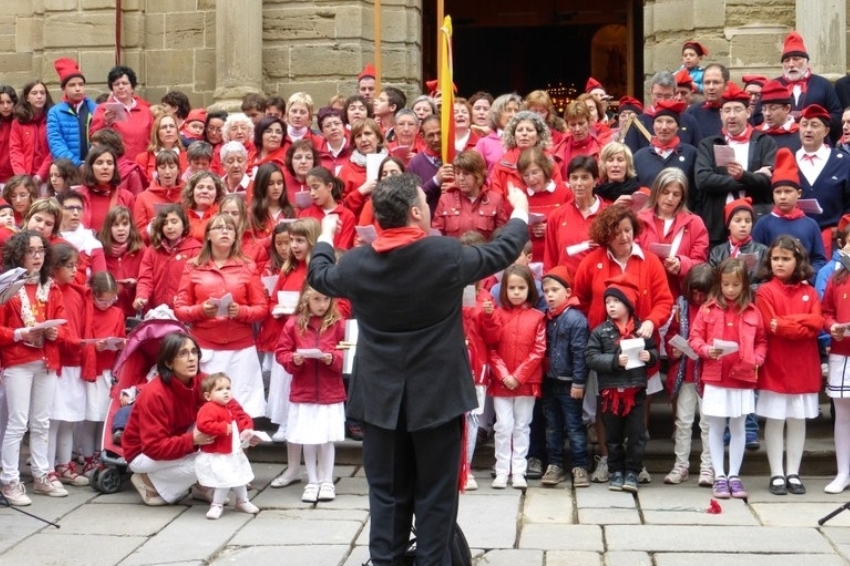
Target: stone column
x=239 y=51
x=823 y=25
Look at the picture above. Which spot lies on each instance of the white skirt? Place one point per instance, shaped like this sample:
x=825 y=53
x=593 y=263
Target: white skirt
x=310 y=423
x=246 y=378
x=838 y=382
x=69 y=401
x=97 y=397
x=225 y=470
x=727 y=401
x=277 y=409
x=782 y=406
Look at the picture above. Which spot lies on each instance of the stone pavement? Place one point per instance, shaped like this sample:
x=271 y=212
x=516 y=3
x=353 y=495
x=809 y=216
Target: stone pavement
x=661 y=526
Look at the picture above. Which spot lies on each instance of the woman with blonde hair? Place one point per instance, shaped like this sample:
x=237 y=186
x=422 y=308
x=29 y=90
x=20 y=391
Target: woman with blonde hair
x=617 y=175
x=165 y=134
x=581 y=137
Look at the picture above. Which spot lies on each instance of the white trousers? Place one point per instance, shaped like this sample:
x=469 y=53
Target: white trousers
x=512 y=431
x=687 y=403
x=171 y=478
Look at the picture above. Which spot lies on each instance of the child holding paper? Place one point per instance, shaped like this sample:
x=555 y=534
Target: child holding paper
x=729 y=379
x=791 y=380
x=622 y=374
x=308 y=350
x=223 y=465
x=740 y=217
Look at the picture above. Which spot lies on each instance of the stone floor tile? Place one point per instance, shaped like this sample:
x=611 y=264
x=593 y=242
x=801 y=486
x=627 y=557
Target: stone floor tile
x=352 y=486
x=511 y=557
x=72 y=550
x=573 y=558
x=499 y=528
x=657 y=538
x=627 y=559
x=595 y=516
x=562 y=537
x=796 y=514
x=277 y=555
x=688 y=559
x=548 y=506
x=758 y=492
x=273 y=527
x=598 y=495
x=119 y=520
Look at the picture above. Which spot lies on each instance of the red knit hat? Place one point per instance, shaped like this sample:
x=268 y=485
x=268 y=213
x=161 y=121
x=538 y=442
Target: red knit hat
x=776 y=93
x=624 y=288
x=67 y=69
x=734 y=93
x=630 y=103
x=785 y=171
x=817 y=111
x=683 y=78
x=701 y=49
x=562 y=275
x=672 y=108
x=368 y=71
x=754 y=80
x=592 y=84
x=4 y=204
x=197 y=115
x=794 y=46
x=730 y=209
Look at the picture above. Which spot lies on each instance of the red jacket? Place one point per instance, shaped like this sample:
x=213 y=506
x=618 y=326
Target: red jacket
x=16 y=353
x=198 y=224
x=794 y=362
x=79 y=307
x=693 y=246
x=125 y=266
x=160 y=425
x=147 y=161
x=456 y=214
x=28 y=149
x=109 y=323
x=98 y=204
x=271 y=327
x=546 y=203
x=293 y=185
x=6 y=170
x=160 y=272
x=135 y=131
x=516 y=337
x=836 y=310
x=132 y=177
x=474 y=332
x=567 y=227
x=147 y=202
x=566 y=149
x=353 y=176
x=202 y=282
x=315 y=139
x=215 y=420
x=334 y=163
x=745 y=328
x=313 y=381
x=344 y=238
x=255 y=161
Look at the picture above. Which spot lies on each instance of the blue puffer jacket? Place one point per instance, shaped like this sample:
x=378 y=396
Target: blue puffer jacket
x=63 y=131
x=566 y=342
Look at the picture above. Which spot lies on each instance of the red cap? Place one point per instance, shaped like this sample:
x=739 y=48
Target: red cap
x=776 y=93
x=794 y=46
x=730 y=209
x=368 y=71
x=434 y=86
x=197 y=115
x=683 y=78
x=672 y=108
x=701 y=50
x=67 y=69
x=817 y=111
x=592 y=84
x=630 y=103
x=624 y=288
x=734 y=93
x=785 y=171
x=4 y=204
x=842 y=224
x=754 y=80
x=560 y=274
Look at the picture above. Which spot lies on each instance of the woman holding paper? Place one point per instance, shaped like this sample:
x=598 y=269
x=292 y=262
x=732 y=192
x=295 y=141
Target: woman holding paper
x=677 y=236
x=367 y=138
x=221 y=297
x=125 y=112
x=300 y=158
x=545 y=194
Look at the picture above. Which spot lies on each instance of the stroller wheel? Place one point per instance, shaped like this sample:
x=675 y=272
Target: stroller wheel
x=107 y=480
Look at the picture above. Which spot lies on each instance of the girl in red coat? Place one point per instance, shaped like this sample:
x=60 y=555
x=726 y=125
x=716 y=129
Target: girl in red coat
x=108 y=329
x=164 y=188
x=516 y=334
x=730 y=378
x=791 y=380
x=269 y=203
x=163 y=262
x=308 y=350
x=8 y=99
x=223 y=465
x=124 y=250
x=326 y=191
x=28 y=148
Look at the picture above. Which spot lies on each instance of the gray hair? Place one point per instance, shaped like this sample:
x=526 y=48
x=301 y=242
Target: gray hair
x=407 y=112
x=664 y=178
x=425 y=98
x=664 y=79
x=237 y=119
x=498 y=107
x=544 y=138
x=232 y=147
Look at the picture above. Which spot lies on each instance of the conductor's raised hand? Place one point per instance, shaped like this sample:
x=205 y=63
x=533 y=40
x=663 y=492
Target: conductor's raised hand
x=331 y=225
x=517 y=198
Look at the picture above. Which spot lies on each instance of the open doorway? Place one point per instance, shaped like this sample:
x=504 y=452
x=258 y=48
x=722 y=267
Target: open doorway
x=508 y=45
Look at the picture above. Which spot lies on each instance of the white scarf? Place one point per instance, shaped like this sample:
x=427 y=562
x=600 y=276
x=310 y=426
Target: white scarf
x=360 y=159
x=41 y=293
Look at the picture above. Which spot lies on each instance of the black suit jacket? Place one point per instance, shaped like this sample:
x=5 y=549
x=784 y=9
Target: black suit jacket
x=407 y=303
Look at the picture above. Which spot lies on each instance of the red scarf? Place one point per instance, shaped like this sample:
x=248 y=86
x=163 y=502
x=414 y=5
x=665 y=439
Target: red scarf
x=556 y=312
x=793 y=215
x=792 y=129
x=736 y=246
x=669 y=146
x=620 y=401
x=743 y=137
x=582 y=143
x=803 y=82
x=712 y=105
x=393 y=238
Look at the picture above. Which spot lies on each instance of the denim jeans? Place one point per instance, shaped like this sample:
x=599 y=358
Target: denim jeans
x=563 y=420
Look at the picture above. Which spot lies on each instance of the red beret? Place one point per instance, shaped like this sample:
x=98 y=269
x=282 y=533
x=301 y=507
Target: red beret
x=560 y=274
x=672 y=108
x=734 y=93
x=701 y=50
x=776 y=93
x=754 y=79
x=630 y=103
x=683 y=78
x=817 y=111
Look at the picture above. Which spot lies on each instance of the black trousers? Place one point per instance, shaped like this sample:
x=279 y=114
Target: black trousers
x=412 y=473
x=626 y=455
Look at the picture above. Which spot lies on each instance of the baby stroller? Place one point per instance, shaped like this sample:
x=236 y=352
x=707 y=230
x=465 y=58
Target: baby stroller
x=131 y=369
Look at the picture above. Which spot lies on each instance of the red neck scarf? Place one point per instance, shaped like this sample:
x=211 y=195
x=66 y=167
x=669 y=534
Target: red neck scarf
x=737 y=245
x=555 y=313
x=669 y=146
x=393 y=238
x=743 y=137
x=712 y=105
x=791 y=128
x=627 y=329
x=793 y=215
x=582 y=143
x=802 y=83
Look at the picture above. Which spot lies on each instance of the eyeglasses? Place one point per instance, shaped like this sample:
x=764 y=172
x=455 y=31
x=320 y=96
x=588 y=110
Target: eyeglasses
x=73 y=208
x=35 y=252
x=222 y=229
x=186 y=354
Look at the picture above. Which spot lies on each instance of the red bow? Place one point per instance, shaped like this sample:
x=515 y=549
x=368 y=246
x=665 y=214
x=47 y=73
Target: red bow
x=669 y=146
x=743 y=137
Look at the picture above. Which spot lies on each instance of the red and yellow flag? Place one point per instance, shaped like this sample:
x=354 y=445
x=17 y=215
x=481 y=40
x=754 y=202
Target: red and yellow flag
x=447 y=93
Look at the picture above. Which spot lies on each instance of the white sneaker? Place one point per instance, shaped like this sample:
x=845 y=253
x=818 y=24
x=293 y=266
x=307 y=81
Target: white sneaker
x=837 y=485
x=600 y=474
x=471 y=484
x=246 y=507
x=45 y=485
x=311 y=493
x=215 y=511
x=16 y=494
x=518 y=481
x=644 y=477
x=501 y=481
x=327 y=492
x=284 y=480
x=280 y=435
x=706 y=477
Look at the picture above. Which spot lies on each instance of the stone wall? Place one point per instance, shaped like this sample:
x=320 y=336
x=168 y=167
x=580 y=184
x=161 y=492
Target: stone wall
x=317 y=46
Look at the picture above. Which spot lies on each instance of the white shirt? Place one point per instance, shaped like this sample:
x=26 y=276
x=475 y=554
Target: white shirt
x=812 y=168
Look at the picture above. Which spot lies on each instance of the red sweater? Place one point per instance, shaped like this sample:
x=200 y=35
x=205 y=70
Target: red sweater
x=202 y=282
x=6 y=170
x=109 y=323
x=271 y=328
x=161 y=420
x=344 y=238
x=16 y=353
x=567 y=227
x=545 y=203
x=78 y=311
x=505 y=172
x=794 y=362
x=516 y=337
x=160 y=272
x=28 y=149
x=125 y=266
x=313 y=381
x=215 y=420
x=198 y=224
x=147 y=202
x=99 y=200
x=135 y=131
x=836 y=310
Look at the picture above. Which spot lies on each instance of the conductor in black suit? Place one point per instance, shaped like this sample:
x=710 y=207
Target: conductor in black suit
x=411 y=383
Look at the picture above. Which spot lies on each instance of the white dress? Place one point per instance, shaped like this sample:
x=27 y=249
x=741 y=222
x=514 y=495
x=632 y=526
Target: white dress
x=312 y=423
x=69 y=400
x=727 y=401
x=224 y=470
x=838 y=383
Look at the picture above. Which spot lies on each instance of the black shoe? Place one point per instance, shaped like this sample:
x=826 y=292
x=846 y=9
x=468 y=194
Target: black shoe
x=795 y=485
x=534 y=471
x=353 y=431
x=777 y=486
x=752 y=441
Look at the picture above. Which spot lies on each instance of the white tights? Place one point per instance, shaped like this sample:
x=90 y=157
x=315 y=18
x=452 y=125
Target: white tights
x=60 y=443
x=774 y=438
x=91 y=437
x=220 y=494
x=319 y=461
x=842 y=441
x=737 y=439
